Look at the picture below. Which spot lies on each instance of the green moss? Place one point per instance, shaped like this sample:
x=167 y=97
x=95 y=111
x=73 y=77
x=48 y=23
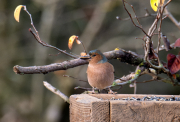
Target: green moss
x=141 y=64
x=114 y=84
x=138 y=72
x=177 y=75
x=129 y=81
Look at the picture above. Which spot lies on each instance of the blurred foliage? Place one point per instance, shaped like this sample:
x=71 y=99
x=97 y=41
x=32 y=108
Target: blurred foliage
x=23 y=98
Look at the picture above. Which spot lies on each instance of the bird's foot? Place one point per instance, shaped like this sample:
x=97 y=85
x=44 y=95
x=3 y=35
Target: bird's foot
x=92 y=92
x=111 y=92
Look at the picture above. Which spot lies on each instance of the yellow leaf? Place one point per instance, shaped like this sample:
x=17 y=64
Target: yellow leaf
x=117 y=48
x=154 y=4
x=71 y=40
x=17 y=12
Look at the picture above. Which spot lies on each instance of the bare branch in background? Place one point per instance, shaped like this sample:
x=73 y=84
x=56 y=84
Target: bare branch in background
x=37 y=37
x=56 y=91
x=139 y=26
x=172 y=18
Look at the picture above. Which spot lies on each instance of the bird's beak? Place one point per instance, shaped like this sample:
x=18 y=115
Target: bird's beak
x=85 y=57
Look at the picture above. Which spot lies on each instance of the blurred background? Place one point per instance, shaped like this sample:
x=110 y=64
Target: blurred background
x=23 y=98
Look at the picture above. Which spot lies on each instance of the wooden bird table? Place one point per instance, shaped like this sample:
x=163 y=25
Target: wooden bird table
x=113 y=108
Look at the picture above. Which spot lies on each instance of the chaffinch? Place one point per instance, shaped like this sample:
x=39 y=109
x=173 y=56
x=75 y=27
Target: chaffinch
x=100 y=73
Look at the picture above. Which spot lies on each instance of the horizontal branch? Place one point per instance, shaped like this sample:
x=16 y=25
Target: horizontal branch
x=124 y=56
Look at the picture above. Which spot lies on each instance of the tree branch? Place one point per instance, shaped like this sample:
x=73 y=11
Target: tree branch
x=171 y=17
x=56 y=91
x=124 y=56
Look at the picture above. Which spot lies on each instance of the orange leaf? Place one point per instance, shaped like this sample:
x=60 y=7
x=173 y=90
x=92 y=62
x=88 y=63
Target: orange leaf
x=174 y=76
x=83 y=54
x=71 y=40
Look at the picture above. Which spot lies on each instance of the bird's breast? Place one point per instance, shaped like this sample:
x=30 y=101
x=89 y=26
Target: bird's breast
x=100 y=75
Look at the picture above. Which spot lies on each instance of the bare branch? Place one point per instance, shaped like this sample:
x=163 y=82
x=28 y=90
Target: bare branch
x=37 y=37
x=139 y=26
x=150 y=33
x=130 y=78
x=56 y=91
x=163 y=47
x=124 y=56
x=47 y=45
x=171 y=17
x=74 y=78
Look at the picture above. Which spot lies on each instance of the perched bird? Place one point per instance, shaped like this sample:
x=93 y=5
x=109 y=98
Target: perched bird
x=100 y=73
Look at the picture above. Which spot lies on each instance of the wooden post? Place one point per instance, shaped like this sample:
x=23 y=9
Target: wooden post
x=103 y=108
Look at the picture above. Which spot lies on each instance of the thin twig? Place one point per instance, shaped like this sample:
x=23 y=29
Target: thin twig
x=132 y=19
x=47 y=45
x=82 y=88
x=74 y=78
x=147 y=14
x=160 y=12
x=37 y=37
x=172 y=18
x=134 y=14
x=56 y=91
x=163 y=47
x=25 y=9
x=133 y=77
x=83 y=47
x=150 y=33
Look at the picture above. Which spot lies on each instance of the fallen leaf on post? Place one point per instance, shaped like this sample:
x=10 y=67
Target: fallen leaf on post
x=17 y=12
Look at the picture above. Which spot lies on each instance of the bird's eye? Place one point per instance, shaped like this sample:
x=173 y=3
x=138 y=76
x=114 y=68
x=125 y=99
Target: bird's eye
x=94 y=55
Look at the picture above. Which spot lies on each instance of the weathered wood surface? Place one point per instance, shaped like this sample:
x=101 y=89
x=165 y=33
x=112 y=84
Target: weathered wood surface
x=91 y=108
x=85 y=108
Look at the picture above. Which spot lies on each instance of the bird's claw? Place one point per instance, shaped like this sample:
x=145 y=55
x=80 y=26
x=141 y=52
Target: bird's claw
x=91 y=92
x=111 y=92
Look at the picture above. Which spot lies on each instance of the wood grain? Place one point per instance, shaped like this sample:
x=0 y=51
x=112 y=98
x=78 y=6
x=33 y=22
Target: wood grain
x=101 y=108
x=85 y=108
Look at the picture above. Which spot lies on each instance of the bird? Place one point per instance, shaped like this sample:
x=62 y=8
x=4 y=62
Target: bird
x=100 y=73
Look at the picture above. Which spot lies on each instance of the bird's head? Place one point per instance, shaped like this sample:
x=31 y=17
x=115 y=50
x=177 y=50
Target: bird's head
x=97 y=57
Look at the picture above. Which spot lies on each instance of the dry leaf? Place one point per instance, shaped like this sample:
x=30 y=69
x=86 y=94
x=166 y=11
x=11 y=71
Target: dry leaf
x=177 y=43
x=72 y=39
x=173 y=63
x=78 y=41
x=83 y=54
x=17 y=12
